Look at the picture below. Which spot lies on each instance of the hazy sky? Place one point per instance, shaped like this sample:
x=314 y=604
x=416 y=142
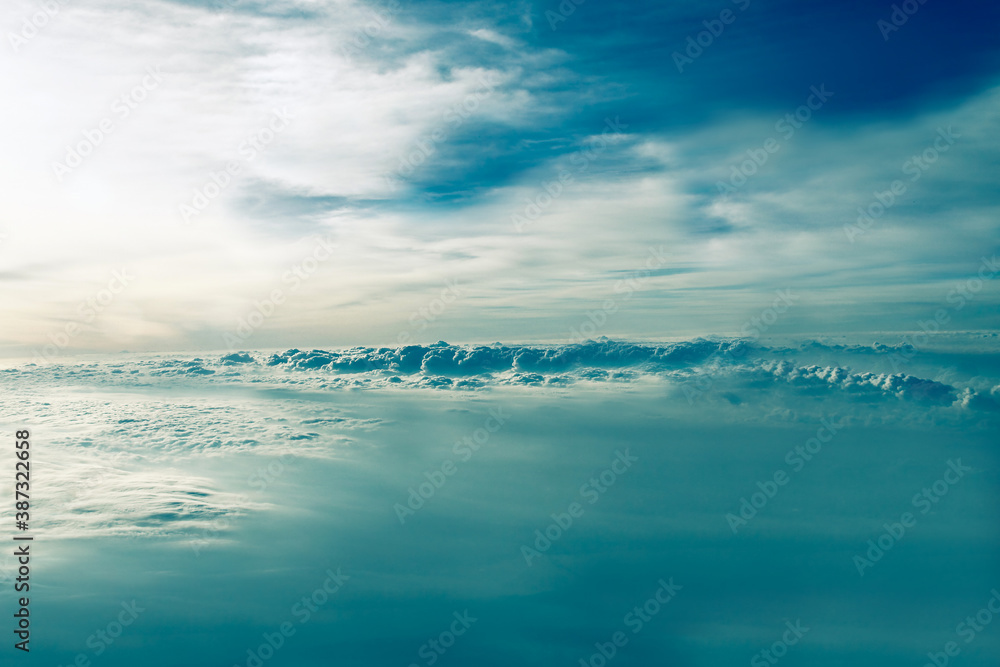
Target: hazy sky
x=480 y=171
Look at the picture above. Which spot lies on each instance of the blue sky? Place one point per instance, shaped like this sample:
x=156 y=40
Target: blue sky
x=394 y=149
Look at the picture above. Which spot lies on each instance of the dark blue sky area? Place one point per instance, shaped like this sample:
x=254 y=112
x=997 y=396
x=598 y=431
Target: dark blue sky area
x=774 y=50
x=619 y=61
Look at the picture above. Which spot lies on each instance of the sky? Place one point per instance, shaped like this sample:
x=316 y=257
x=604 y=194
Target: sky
x=256 y=175
x=267 y=267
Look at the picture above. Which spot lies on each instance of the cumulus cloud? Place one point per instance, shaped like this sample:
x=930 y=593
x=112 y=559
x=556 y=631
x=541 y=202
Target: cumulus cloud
x=444 y=359
x=738 y=371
